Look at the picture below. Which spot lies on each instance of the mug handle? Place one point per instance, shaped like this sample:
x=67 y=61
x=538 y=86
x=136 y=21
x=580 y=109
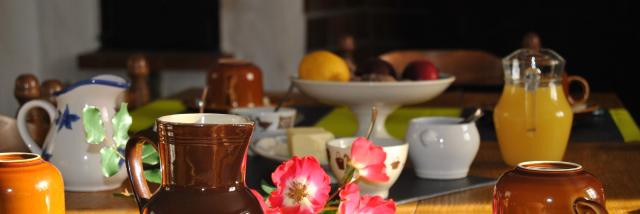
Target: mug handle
x=133 y=155
x=22 y=123
x=585 y=87
x=582 y=205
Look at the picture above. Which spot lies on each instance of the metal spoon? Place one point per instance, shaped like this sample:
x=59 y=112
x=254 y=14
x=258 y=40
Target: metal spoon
x=285 y=98
x=477 y=114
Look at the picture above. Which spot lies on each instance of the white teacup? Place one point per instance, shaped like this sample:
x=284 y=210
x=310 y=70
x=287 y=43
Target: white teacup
x=267 y=120
x=441 y=148
x=339 y=152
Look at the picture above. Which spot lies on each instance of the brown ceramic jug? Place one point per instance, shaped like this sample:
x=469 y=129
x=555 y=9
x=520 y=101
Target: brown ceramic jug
x=202 y=160
x=28 y=184
x=548 y=187
x=234 y=83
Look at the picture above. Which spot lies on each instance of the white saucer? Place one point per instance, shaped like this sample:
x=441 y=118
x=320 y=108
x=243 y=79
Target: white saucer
x=272 y=147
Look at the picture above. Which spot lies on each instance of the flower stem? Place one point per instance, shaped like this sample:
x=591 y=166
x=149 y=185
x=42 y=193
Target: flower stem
x=374 y=115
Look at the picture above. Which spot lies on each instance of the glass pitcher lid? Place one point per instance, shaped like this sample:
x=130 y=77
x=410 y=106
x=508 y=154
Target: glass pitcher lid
x=547 y=62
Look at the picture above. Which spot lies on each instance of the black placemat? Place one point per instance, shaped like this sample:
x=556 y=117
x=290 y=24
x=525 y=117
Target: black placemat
x=410 y=188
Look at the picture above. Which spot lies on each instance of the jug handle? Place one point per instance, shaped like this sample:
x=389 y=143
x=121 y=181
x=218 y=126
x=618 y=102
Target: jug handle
x=133 y=155
x=585 y=88
x=582 y=205
x=22 y=123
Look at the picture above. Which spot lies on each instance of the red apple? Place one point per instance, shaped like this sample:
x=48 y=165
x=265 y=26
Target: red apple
x=420 y=70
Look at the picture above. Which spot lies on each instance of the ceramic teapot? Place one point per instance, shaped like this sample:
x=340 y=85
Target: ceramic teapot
x=65 y=144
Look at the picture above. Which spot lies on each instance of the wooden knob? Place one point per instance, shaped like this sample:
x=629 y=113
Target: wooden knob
x=531 y=40
x=50 y=87
x=27 y=88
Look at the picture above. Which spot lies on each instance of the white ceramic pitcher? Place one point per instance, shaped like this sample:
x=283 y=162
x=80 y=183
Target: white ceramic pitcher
x=65 y=145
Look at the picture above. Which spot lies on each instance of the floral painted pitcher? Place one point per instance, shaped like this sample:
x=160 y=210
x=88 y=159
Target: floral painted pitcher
x=66 y=144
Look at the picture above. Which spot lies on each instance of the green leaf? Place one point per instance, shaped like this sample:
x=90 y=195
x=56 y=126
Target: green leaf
x=109 y=159
x=149 y=155
x=266 y=187
x=93 y=128
x=153 y=175
x=121 y=123
x=333 y=211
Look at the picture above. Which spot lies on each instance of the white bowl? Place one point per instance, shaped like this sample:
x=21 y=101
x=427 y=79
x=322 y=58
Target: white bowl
x=361 y=96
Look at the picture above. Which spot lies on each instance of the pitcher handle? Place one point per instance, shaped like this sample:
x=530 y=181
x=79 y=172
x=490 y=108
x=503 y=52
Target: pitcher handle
x=22 y=122
x=585 y=88
x=582 y=205
x=133 y=155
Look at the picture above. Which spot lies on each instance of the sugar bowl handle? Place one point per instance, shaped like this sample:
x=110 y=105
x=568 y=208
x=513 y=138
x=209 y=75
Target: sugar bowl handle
x=133 y=154
x=582 y=205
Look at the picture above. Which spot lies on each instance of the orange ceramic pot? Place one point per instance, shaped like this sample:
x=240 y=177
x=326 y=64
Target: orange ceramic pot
x=548 y=187
x=29 y=184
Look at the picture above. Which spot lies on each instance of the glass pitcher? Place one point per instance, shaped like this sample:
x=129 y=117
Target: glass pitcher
x=533 y=117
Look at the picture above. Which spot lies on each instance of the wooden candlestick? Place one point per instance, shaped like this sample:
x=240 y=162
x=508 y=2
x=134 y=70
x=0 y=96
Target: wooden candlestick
x=138 y=69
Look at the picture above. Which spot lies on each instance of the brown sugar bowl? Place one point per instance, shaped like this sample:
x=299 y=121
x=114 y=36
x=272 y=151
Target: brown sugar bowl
x=548 y=187
x=233 y=83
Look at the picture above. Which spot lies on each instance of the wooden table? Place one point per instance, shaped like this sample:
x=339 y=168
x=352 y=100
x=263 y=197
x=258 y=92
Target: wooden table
x=614 y=163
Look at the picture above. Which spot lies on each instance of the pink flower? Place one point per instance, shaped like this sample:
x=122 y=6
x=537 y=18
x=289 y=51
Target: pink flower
x=352 y=203
x=302 y=186
x=265 y=208
x=368 y=160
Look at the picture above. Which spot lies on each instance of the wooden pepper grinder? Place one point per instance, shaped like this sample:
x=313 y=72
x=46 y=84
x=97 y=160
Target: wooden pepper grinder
x=50 y=87
x=138 y=68
x=27 y=89
x=347 y=47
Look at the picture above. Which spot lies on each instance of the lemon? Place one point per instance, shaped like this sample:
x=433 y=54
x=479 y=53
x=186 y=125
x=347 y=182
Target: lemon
x=324 y=66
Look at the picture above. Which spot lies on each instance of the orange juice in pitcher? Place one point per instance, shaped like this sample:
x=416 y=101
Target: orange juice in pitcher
x=533 y=117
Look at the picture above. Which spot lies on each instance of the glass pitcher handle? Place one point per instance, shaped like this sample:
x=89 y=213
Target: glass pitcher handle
x=133 y=154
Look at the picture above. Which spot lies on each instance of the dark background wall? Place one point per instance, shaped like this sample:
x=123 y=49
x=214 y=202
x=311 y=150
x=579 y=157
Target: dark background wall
x=593 y=36
x=597 y=38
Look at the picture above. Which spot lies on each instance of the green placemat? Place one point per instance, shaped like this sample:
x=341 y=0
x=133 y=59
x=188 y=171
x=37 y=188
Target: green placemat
x=145 y=116
x=627 y=126
x=343 y=123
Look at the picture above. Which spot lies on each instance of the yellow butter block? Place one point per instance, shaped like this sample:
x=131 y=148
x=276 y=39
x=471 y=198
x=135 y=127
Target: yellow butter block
x=309 y=142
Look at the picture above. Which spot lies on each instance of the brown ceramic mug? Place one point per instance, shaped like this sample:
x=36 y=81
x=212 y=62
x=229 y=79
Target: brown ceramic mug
x=202 y=160
x=548 y=187
x=233 y=83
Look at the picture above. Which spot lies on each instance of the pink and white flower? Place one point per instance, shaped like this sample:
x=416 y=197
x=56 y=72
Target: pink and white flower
x=368 y=160
x=352 y=203
x=302 y=186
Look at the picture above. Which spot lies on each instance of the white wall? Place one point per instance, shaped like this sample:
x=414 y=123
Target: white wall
x=19 y=47
x=269 y=33
x=45 y=37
